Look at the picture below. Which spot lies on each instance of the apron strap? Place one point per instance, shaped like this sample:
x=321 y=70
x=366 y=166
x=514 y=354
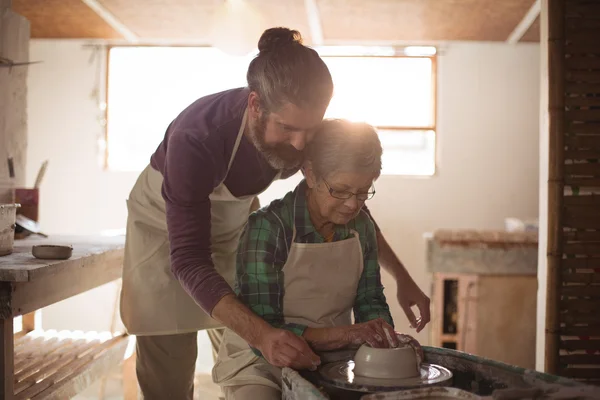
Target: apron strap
x=238 y=139
x=294 y=221
x=236 y=146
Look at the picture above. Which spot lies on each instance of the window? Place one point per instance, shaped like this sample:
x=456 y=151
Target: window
x=149 y=86
x=397 y=96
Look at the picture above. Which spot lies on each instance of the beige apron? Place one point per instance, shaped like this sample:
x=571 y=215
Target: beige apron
x=153 y=302
x=320 y=282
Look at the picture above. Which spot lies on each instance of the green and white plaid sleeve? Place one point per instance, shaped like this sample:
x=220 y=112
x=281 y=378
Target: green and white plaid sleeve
x=262 y=253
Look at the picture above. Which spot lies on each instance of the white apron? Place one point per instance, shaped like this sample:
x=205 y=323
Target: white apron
x=320 y=282
x=153 y=302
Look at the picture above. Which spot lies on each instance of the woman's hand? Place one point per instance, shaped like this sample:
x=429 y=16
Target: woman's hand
x=408 y=340
x=410 y=295
x=377 y=333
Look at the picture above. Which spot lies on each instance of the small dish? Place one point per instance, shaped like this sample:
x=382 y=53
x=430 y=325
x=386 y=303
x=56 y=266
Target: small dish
x=52 y=252
x=386 y=363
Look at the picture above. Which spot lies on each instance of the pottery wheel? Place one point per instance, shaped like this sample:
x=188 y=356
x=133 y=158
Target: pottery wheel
x=341 y=375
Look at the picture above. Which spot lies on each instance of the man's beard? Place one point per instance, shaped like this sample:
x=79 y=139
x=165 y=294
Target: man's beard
x=279 y=156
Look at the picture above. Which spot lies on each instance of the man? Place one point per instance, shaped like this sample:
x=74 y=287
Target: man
x=189 y=206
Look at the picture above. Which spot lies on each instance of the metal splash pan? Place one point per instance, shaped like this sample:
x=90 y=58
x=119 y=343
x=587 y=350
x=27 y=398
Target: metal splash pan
x=340 y=374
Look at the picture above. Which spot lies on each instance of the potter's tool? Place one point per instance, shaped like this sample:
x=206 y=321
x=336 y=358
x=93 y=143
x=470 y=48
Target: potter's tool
x=8 y=63
x=40 y=175
x=341 y=374
x=11 y=168
x=28 y=226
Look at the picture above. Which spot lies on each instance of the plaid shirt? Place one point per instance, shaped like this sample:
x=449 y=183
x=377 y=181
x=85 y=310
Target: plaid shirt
x=263 y=251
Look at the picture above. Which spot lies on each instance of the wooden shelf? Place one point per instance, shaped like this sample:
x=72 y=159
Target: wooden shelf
x=493 y=315
x=50 y=364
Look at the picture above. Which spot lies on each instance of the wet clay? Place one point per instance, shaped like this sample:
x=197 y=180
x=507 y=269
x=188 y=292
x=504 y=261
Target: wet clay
x=386 y=363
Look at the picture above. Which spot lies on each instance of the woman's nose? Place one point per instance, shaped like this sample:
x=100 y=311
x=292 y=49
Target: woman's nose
x=352 y=203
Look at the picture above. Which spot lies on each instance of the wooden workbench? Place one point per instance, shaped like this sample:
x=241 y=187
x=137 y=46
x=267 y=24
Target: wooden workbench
x=485 y=293
x=28 y=284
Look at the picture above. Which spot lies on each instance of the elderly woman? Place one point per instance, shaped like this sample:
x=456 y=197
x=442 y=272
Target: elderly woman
x=307 y=261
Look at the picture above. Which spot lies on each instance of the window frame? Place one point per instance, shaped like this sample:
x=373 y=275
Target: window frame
x=423 y=129
x=434 y=82
x=434 y=89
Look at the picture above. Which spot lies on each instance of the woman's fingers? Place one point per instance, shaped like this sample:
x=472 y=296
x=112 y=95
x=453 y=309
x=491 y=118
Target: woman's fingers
x=367 y=333
x=378 y=333
x=390 y=335
x=386 y=332
x=410 y=341
x=371 y=336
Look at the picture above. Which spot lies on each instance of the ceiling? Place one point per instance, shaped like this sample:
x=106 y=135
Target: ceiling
x=319 y=21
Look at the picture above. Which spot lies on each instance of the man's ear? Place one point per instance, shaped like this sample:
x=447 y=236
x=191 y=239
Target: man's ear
x=254 y=105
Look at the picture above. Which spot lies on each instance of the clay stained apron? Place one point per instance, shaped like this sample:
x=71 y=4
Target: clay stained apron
x=320 y=283
x=153 y=302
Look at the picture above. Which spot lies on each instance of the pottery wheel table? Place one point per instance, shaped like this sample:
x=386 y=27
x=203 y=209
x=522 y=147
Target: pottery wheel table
x=340 y=374
x=31 y=368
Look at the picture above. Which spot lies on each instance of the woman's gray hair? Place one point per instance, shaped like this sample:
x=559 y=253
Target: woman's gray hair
x=343 y=146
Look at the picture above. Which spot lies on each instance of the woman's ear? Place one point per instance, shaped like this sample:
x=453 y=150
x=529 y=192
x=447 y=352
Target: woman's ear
x=309 y=174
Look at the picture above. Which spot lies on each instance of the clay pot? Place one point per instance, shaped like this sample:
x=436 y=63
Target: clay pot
x=392 y=363
x=8 y=215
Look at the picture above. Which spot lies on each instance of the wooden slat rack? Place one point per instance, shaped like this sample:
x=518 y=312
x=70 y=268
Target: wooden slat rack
x=573 y=285
x=49 y=365
x=55 y=365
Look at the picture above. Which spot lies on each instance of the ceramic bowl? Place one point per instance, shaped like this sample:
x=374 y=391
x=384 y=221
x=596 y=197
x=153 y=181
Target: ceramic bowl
x=52 y=252
x=393 y=363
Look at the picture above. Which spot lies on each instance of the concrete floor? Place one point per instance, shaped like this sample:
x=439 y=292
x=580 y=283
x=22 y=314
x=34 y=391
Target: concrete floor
x=204 y=389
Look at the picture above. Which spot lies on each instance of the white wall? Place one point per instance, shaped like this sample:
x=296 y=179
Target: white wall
x=488 y=153
x=76 y=196
x=488 y=118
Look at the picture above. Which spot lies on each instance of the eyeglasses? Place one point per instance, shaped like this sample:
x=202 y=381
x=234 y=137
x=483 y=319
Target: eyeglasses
x=345 y=195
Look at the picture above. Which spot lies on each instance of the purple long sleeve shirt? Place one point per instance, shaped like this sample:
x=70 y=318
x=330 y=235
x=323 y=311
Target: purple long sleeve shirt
x=193 y=159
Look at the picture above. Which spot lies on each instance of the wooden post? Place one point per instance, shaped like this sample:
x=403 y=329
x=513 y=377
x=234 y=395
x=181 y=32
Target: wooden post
x=29 y=322
x=7 y=374
x=556 y=110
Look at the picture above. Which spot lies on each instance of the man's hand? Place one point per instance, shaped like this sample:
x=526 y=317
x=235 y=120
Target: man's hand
x=410 y=295
x=377 y=333
x=279 y=347
x=282 y=348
